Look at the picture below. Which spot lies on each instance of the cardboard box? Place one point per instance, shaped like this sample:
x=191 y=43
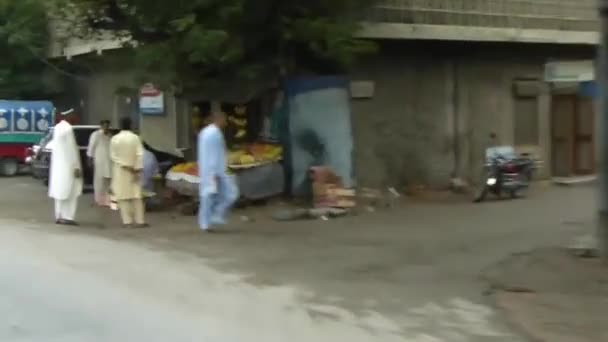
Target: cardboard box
x=344 y=204
x=333 y=196
x=324 y=175
x=340 y=192
x=328 y=191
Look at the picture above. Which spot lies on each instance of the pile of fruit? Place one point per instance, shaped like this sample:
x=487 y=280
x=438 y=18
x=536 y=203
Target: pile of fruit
x=257 y=153
x=187 y=168
x=246 y=156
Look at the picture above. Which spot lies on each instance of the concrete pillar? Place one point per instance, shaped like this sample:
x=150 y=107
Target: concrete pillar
x=462 y=121
x=602 y=123
x=545 y=131
x=451 y=112
x=506 y=110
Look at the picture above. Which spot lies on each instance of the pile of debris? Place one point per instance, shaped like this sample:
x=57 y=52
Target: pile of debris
x=330 y=198
x=328 y=190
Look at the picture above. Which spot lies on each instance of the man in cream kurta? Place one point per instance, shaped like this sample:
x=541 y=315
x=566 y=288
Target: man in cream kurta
x=99 y=155
x=127 y=153
x=65 y=179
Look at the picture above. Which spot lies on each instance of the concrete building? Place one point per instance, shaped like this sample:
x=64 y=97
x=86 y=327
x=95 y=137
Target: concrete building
x=452 y=71
x=448 y=73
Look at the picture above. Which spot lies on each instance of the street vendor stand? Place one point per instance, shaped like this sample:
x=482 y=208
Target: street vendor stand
x=257 y=168
x=253 y=157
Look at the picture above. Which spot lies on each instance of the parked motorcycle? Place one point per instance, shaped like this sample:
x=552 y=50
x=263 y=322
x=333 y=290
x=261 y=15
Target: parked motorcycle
x=507 y=174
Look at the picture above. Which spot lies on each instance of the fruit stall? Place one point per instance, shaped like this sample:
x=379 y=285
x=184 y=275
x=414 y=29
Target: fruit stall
x=256 y=166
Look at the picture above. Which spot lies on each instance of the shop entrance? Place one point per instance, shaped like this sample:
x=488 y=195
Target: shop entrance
x=255 y=162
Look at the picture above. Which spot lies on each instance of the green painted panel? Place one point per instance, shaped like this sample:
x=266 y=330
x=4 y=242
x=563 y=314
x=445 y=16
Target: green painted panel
x=20 y=138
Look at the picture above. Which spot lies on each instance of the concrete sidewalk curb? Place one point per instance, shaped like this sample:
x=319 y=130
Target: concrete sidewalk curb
x=573 y=181
x=517 y=326
x=585 y=247
x=546 y=304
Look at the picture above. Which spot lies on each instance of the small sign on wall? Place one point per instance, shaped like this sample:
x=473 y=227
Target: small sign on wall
x=570 y=71
x=151 y=100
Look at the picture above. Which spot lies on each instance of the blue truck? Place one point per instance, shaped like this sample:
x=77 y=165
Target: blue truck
x=22 y=124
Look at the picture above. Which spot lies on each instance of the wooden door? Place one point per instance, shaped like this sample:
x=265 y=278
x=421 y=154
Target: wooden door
x=584 y=129
x=563 y=108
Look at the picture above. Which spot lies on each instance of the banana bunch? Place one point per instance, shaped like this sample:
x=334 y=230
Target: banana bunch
x=179 y=168
x=267 y=152
x=235 y=156
x=185 y=168
x=239 y=121
x=273 y=152
x=240 y=157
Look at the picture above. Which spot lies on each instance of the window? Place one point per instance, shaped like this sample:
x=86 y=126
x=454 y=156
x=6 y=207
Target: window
x=82 y=136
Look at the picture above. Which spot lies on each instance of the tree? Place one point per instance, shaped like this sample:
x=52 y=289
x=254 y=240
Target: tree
x=182 y=42
x=23 y=43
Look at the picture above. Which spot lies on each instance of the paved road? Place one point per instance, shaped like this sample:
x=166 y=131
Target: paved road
x=408 y=275
x=74 y=288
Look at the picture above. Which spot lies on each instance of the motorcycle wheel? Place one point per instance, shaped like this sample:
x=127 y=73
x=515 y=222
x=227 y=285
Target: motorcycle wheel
x=521 y=192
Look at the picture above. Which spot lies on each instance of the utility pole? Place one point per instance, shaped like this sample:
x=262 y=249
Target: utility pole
x=602 y=129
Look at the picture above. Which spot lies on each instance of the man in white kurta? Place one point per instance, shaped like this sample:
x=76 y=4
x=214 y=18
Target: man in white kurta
x=65 y=178
x=218 y=190
x=127 y=153
x=99 y=155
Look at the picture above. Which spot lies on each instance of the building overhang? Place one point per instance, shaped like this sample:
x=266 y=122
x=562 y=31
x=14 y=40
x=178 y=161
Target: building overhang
x=396 y=31
x=479 y=34
x=86 y=47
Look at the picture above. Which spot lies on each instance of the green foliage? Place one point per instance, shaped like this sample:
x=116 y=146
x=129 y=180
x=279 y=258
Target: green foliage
x=23 y=42
x=182 y=42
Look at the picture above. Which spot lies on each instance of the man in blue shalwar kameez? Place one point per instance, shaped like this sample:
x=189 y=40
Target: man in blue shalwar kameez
x=218 y=190
x=150 y=170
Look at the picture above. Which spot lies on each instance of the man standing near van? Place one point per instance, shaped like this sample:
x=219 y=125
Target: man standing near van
x=99 y=157
x=65 y=178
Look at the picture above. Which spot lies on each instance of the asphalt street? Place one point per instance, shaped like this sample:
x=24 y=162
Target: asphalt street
x=404 y=275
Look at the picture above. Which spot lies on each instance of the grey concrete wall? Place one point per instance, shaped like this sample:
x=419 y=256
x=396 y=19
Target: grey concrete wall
x=103 y=102
x=161 y=132
x=434 y=107
x=436 y=104
x=401 y=135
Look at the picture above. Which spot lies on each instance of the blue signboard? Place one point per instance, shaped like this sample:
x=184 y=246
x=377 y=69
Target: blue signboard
x=6 y=120
x=43 y=118
x=21 y=119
